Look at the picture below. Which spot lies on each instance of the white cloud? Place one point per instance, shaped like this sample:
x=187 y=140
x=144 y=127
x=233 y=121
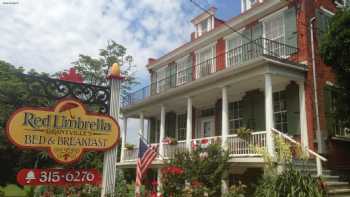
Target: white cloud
x=49 y=35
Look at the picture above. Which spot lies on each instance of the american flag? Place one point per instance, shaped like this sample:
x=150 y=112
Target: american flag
x=146 y=155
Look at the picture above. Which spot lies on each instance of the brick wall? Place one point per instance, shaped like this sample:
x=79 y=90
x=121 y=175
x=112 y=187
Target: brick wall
x=324 y=73
x=220 y=54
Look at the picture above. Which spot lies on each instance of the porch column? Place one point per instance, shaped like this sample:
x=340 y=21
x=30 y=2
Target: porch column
x=159 y=176
x=303 y=121
x=125 y=124
x=189 y=123
x=269 y=113
x=142 y=124
x=224 y=121
x=162 y=130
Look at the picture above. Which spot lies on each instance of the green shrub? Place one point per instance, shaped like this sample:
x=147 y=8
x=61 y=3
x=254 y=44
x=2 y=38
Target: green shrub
x=202 y=168
x=238 y=190
x=289 y=184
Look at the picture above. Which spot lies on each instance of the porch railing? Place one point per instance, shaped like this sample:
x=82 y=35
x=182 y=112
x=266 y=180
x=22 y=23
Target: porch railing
x=130 y=154
x=340 y=131
x=237 y=147
x=194 y=71
x=319 y=158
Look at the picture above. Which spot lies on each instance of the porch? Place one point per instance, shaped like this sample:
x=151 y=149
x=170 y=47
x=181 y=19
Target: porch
x=260 y=95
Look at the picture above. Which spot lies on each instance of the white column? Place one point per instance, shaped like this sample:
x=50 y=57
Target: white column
x=303 y=120
x=189 y=123
x=224 y=121
x=110 y=157
x=159 y=176
x=269 y=113
x=142 y=124
x=162 y=130
x=125 y=124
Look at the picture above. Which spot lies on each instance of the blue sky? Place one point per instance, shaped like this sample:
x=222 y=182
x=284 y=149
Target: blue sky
x=49 y=35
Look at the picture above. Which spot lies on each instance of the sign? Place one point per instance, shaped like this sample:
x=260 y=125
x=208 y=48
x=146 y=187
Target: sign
x=66 y=130
x=58 y=177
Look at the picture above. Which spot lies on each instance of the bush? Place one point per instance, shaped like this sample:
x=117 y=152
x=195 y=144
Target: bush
x=203 y=169
x=236 y=190
x=290 y=183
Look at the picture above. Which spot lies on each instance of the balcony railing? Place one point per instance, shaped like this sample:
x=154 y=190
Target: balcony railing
x=231 y=58
x=237 y=147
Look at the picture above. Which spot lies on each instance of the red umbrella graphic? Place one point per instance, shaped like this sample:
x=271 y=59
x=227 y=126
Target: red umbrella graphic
x=68 y=106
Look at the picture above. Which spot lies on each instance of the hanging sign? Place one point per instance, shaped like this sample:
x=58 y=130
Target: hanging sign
x=66 y=130
x=34 y=177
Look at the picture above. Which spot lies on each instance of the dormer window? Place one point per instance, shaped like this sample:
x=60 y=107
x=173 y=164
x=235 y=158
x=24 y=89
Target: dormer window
x=247 y=4
x=204 y=22
x=205 y=26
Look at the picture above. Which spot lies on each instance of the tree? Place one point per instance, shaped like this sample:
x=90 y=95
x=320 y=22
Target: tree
x=335 y=50
x=13 y=95
x=95 y=70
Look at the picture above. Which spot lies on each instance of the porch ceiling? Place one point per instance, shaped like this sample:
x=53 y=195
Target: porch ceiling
x=204 y=99
x=207 y=90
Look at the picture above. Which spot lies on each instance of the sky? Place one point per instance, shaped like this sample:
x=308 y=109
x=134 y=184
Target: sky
x=48 y=35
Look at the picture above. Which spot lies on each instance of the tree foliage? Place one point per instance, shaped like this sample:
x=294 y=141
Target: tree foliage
x=13 y=95
x=335 y=50
x=95 y=69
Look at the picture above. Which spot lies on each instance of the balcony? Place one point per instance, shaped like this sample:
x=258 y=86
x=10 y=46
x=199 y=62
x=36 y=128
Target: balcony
x=232 y=58
x=237 y=147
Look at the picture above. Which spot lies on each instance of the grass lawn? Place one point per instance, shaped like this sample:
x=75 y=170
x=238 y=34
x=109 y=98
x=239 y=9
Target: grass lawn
x=14 y=191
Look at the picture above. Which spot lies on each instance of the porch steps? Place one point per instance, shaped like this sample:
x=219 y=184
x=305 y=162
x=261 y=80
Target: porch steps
x=335 y=187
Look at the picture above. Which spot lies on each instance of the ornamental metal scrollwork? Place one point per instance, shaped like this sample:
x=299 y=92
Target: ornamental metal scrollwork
x=97 y=98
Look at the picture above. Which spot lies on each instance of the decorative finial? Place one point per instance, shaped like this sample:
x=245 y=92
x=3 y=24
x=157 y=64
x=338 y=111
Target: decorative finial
x=114 y=72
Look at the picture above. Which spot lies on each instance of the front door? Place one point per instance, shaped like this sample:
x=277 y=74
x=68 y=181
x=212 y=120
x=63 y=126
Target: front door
x=207 y=127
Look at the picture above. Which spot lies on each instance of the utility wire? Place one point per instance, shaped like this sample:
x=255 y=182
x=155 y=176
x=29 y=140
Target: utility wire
x=232 y=29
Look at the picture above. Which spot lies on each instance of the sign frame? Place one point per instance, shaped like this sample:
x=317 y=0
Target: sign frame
x=49 y=148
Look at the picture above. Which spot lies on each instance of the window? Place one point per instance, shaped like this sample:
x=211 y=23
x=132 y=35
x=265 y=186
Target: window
x=181 y=126
x=335 y=126
x=234 y=51
x=205 y=62
x=280 y=111
x=204 y=26
x=184 y=70
x=161 y=79
x=274 y=31
x=235 y=116
x=323 y=19
x=207 y=127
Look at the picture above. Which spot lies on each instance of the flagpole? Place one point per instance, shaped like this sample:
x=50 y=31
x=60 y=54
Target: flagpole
x=110 y=157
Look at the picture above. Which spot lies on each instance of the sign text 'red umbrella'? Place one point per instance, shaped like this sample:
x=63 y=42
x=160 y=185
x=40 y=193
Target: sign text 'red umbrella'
x=66 y=130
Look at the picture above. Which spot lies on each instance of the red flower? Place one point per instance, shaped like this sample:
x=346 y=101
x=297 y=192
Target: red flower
x=173 y=170
x=154 y=182
x=196 y=183
x=155 y=194
x=204 y=141
x=166 y=140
